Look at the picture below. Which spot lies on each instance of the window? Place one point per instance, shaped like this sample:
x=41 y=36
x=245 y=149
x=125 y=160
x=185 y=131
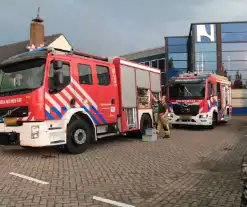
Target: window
x=205 y=66
x=208 y=71
x=85 y=74
x=179 y=64
x=205 y=47
x=238 y=55
x=24 y=76
x=147 y=63
x=66 y=75
x=234 y=37
x=187 y=90
x=155 y=64
x=210 y=89
x=215 y=89
x=178 y=56
x=177 y=48
x=218 y=89
x=235 y=65
x=234 y=46
x=103 y=75
x=205 y=56
x=234 y=27
x=162 y=64
x=177 y=40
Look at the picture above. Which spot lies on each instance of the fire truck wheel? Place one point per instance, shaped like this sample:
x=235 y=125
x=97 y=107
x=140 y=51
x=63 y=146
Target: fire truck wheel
x=214 y=120
x=78 y=136
x=146 y=122
x=175 y=126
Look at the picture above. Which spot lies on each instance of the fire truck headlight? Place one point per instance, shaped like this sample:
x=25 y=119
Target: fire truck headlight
x=35 y=132
x=203 y=116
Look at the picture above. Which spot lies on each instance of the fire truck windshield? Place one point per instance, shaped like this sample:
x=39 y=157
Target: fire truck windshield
x=22 y=77
x=187 y=90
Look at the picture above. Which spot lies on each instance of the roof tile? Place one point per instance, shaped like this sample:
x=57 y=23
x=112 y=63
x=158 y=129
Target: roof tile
x=7 y=51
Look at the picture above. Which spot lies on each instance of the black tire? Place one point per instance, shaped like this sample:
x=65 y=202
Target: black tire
x=29 y=148
x=146 y=122
x=79 y=134
x=175 y=126
x=214 y=120
x=226 y=121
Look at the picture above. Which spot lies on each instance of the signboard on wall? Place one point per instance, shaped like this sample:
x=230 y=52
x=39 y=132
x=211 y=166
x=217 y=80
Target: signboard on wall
x=205 y=32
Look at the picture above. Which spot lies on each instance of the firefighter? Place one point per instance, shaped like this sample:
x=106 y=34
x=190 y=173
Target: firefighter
x=162 y=116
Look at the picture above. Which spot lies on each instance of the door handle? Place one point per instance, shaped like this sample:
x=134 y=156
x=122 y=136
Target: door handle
x=72 y=101
x=113 y=101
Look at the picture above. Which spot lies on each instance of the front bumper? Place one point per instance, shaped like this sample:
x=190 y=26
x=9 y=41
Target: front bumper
x=34 y=134
x=203 y=119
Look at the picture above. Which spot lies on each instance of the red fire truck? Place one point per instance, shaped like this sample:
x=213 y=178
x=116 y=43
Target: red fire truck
x=53 y=98
x=199 y=99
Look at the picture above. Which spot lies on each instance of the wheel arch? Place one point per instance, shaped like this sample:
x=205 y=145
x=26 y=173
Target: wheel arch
x=147 y=114
x=77 y=113
x=142 y=113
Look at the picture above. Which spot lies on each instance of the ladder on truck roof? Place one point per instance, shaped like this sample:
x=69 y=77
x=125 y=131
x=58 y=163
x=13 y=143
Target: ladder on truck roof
x=58 y=51
x=82 y=54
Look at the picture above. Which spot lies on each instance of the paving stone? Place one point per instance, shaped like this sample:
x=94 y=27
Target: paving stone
x=192 y=168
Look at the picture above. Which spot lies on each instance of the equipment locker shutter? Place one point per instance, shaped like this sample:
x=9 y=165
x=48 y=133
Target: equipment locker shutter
x=128 y=86
x=142 y=79
x=155 y=82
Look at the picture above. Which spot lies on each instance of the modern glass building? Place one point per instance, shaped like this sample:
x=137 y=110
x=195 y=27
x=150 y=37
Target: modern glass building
x=218 y=47
x=214 y=47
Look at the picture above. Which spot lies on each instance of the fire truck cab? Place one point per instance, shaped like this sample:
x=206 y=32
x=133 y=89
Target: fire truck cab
x=199 y=99
x=55 y=98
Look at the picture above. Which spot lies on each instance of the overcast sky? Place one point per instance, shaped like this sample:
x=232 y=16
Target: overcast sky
x=114 y=27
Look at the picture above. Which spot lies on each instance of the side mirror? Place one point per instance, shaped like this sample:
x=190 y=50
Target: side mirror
x=58 y=78
x=57 y=64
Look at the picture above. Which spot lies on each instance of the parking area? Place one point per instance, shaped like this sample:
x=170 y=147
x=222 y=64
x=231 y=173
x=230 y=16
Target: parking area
x=192 y=168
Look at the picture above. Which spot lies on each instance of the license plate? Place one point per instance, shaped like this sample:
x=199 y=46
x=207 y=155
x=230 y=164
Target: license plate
x=10 y=121
x=185 y=117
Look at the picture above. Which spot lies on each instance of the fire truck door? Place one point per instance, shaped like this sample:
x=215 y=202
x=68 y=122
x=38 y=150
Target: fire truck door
x=107 y=93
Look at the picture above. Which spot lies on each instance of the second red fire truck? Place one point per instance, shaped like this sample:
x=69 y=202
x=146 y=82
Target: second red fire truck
x=51 y=98
x=199 y=99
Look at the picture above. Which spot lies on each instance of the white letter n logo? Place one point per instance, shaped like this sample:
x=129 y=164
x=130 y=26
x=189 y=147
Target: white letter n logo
x=202 y=32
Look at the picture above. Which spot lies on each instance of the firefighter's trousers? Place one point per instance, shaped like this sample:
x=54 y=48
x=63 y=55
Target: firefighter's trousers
x=163 y=122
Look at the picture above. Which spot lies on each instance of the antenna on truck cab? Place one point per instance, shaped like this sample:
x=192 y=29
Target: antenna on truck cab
x=79 y=53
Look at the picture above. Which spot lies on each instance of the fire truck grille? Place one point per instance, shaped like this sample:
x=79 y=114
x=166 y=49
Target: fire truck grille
x=20 y=111
x=180 y=109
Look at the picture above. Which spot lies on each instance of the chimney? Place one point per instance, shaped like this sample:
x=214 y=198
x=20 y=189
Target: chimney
x=37 y=33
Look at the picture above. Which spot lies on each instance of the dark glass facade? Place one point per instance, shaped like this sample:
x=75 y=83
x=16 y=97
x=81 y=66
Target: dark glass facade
x=176 y=55
x=205 y=48
x=215 y=47
x=211 y=47
x=156 y=61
